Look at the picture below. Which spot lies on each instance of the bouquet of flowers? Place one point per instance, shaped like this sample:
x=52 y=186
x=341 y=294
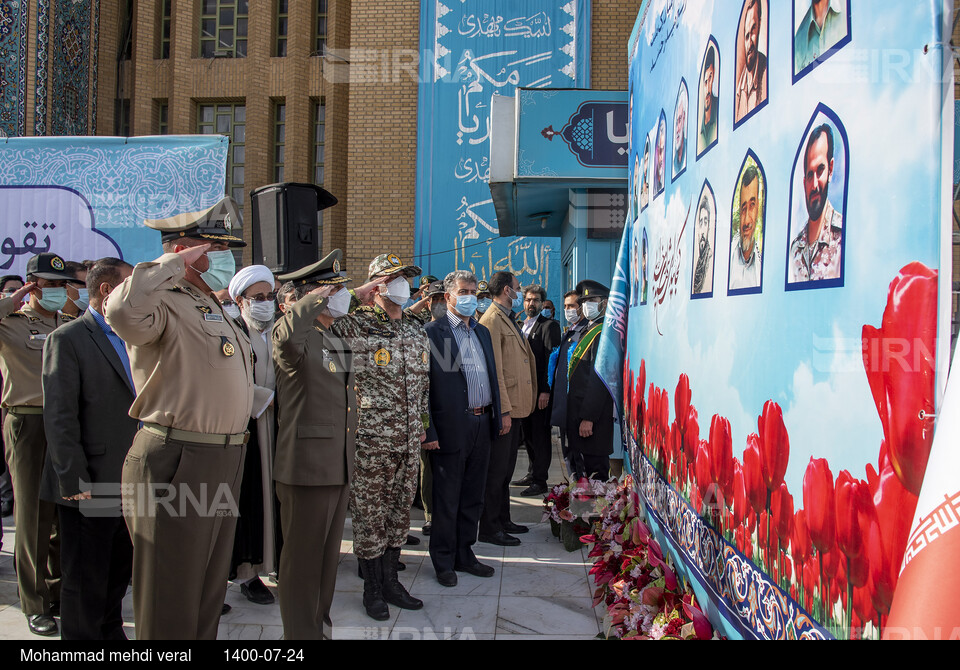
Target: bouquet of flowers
x=641 y=592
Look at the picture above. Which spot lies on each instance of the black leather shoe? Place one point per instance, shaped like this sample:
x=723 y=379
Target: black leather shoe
x=42 y=624
x=256 y=592
x=225 y=609
x=447 y=578
x=515 y=528
x=533 y=491
x=478 y=569
x=526 y=480
x=6 y=508
x=501 y=539
x=412 y=540
x=427 y=529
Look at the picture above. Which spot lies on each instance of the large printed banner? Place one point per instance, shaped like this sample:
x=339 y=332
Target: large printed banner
x=780 y=295
x=87 y=197
x=472 y=50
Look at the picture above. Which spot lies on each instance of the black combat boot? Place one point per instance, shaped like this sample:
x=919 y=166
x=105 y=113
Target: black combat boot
x=393 y=591
x=373 y=600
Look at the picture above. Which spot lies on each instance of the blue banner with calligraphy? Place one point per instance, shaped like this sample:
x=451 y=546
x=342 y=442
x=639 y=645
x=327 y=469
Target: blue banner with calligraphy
x=87 y=197
x=786 y=299
x=471 y=51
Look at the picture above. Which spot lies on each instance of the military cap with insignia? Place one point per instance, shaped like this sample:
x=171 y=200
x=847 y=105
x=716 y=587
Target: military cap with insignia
x=216 y=224
x=48 y=266
x=427 y=279
x=483 y=289
x=385 y=265
x=588 y=288
x=324 y=272
x=435 y=288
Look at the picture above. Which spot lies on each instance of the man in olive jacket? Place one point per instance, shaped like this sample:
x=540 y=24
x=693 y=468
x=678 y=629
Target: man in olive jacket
x=317 y=409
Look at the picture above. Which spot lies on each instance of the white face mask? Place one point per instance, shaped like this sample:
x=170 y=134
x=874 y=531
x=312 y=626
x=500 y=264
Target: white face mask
x=231 y=310
x=398 y=291
x=260 y=311
x=339 y=303
x=571 y=315
x=591 y=310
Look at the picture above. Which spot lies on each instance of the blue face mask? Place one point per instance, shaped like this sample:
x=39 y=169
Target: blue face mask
x=83 y=299
x=517 y=305
x=484 y=305
x=547 y=313
x=53 y=299
x=466 y=305
x=221 y=269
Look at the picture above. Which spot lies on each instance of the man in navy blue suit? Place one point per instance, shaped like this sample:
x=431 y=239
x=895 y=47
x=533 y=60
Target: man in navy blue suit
x=464 y=419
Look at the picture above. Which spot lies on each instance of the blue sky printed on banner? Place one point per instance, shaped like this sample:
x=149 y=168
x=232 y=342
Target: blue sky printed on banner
x=472 y=50
x=800 y=349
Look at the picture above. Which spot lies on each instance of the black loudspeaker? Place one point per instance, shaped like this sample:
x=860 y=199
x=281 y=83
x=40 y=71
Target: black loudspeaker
x=286 y=226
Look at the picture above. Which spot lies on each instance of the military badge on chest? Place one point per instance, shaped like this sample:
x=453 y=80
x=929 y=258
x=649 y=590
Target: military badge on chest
x=382 y=358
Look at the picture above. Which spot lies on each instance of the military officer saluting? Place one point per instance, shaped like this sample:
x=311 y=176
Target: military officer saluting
x=392 y=354
x=22 y=334
x=317 y=403
x=192 y=370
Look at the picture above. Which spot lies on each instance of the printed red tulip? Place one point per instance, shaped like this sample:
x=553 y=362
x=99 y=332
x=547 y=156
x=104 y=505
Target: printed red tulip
x=691 y=434
x=774 y=445
x=721 y=452
x=894 y=506
x=702 y=468
x=681 y=398
x=740 y=504
x=818 y=501
x=899 y=358
x=781 y=508
x=849 y=503
x=752 y=477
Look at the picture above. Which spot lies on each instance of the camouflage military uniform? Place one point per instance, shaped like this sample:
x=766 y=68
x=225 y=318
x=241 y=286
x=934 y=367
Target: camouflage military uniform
x=392 y=360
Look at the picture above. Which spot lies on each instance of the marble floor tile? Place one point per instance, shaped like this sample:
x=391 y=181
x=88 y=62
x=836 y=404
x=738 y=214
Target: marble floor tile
x=550 y=616
x=445 y=616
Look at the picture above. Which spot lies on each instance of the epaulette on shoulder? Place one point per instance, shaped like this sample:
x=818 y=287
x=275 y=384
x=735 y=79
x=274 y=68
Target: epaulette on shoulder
x=67 y=317
x=365 y=309
x=19 y=313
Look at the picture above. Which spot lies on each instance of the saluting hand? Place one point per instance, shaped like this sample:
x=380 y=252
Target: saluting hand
x=367 y=292
x=323 y=291
x=191 y=255
x=23 y=291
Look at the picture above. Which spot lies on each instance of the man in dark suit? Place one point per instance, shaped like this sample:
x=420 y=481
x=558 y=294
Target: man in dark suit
x=87 y=392
x=464 y=420
x=589 y=415
x=543 y=334
x=576 y=325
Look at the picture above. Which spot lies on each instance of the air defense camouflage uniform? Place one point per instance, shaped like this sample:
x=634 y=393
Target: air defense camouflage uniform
x=392 y=362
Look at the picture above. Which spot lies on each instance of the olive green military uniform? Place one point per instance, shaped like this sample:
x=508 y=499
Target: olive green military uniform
x=317 y=403
x=37 y=550
x=193 y=371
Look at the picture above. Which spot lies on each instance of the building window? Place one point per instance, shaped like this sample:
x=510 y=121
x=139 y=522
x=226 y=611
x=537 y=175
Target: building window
x=165 y=26
x=163 y=115
x=121 y=121
x=229 y=120
x=283 y=17
x=321 y=27
x=279 y=137
x=319 y=132
x=223 y=29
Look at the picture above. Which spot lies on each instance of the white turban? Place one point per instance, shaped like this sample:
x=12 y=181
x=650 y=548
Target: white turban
x=247 y=277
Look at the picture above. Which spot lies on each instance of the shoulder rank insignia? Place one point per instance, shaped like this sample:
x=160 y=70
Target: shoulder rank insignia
x=204 y=309
x=18 y=313
x=67 y=317
x=426 y=358
x=227 y=347
x=364 y=308
x=177 y=289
